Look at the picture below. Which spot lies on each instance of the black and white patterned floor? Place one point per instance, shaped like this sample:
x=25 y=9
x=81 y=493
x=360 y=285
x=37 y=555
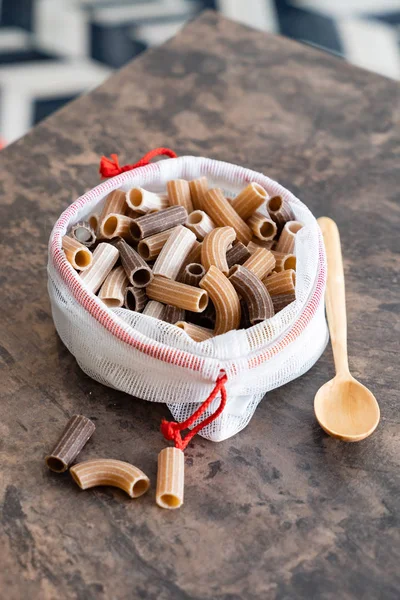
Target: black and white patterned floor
x=52 y=50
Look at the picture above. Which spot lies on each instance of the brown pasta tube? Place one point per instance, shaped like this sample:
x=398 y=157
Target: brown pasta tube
x=104 y=258
x=77 y=432
x=281 y=301
x=200 y=223
x=254 y=293
x=135 y=298
x=193 y=274
x=255 y=243
x=179 y=194
x=196 y=332
x=136 y=269
x=172 y=314
x=198 y=190
x=84 y=233
x=94 y=222
x=152 y=223
x=215 y=246
x=154 y=309
x=222 y=213
x=279 y=211
x=178 y=294
x=237 y=255
x=115 y=473
x=249 y=199
x=115 y=203
x=224 y=298
x=76 y=254
x=150 y=247
x=170 y=478
x=262 y=227
x=194 y=256
x=284 y=261
x=281 y=283
x=114 y=225
x=261 y=262
x=245 y=318
x=286 y=240
x=112 y=291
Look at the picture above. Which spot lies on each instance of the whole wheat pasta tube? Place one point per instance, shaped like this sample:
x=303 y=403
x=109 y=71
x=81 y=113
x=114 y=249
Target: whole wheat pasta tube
x=152 y=223
x=179 y=194
x=286 y=240
x=222 y=213
x=172 y=314
x=200 y=223
x=112 y=292
x=84 y=233
x=198 y=190
x=254 y=293
x=170 y=478
x=77 y=432
x=256 y=243
x=194 y=256
x=136 y=269
x=133 y=214
x=262 y=227
x=215 y=246
x=281 y=283
x=196 y=332
x=249 y=199
x=143 y=201
x=116 y=473
x=135 y=298
x=154 y=309
x=237 y=255
x=174 y=252
x=115 y=203
x=114 y=225
x=279 y=211
x=104 y=258
x=150 y=247
x=178 y=294
x=283 y=300
x=261 y=262
x=94 y=222
x=284 y=261
x=76 y=254
x=193 y=274
x=224 y=298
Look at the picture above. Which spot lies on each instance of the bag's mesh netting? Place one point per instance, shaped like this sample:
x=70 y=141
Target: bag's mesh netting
x=154 y=360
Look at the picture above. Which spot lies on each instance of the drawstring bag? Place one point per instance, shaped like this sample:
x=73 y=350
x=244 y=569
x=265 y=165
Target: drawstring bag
x=212 y=386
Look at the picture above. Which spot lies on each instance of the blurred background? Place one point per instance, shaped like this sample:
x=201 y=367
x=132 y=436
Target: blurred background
x=53 y=50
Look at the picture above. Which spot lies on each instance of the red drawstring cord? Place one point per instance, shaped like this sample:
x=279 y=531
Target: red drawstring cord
x=172 y=430
x=109 y=167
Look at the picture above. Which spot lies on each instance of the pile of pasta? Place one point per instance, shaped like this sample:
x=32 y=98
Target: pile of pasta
x=191 y=257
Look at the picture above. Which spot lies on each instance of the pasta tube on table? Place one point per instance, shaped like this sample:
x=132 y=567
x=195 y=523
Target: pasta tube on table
x=170 y=478
x=179 y=194
x=112 y=292
x=150 y=247
x=254 y=293
x=215 y=246
x=135 y=298
x=196 y=332
x=198 y=190
x=116 y=473
x=200 y=223
x=261 y=262
x=76 y=253
x=222 y=213
x=249 y=199
x=136 y=269
x=77 y=432
x=104 y=258
x=279 y=211
x=178 y=294
x=284 y=261
x=84 y=233
x=262 y=227
x=286 y=240
x=174 y=252
x=152 y=223
x=281 y=283
x=224 y=298
x=142 y=201
x=237 y=255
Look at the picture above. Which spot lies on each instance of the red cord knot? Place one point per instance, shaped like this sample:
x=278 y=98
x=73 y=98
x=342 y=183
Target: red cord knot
x=171 y=430
x=110 y=167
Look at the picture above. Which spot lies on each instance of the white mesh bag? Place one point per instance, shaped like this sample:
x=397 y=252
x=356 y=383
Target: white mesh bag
x=156 y=361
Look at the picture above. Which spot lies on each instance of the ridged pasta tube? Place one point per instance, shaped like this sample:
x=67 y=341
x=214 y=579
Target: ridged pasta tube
x=215 y=246
x=104 y=258
x=135 y=298
x=281 y=283
x=112 y=292
x=279 y=211
x=174 y=252
x=196 y=332
x=162 y=220
x=150 y=247
x=84 y=233
x=178 y=294
x=179 y=194
x=76 y=253
x=142 y=201
x=248 y=200
x=286 y=240
x=200 y=223
x=115 y=203
x=284 y=261
x=237 y=255
x=280 y=302
x=224 y=298
x=262 y=227
x=136 y=269
x=193 y=274
x=254 y=293
x=114 y=225
x=116 y=473
x=261 y=262
x=198 y=190
x=170 y=478
x=222 y=213
x=154 y=309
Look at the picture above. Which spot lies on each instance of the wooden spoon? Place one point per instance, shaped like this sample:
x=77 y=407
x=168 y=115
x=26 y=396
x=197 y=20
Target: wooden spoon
x=344 y=408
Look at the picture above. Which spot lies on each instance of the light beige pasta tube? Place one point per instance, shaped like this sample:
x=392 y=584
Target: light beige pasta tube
x=112 y=291
x=94 y=222
x=215 y=246
x=142 y=201
x=154 y=309
x=179 y=194
x=114 y=225
x=281 y=283
x=150 y=247
x=196 y=332
x=116 y=473
x=174 y=252
x=198 y=190
x=284 y=261
x=286 y=240
x=262 y=227
x=115 y=203
x=200 y=223
x=222 y=213
x=177 y=294
x=249 y=199
x=104 y=258
x=261 y=263
x=170 y=478
x=279 y=211
x=255 y=243
x=76 y=253
x=224 y=298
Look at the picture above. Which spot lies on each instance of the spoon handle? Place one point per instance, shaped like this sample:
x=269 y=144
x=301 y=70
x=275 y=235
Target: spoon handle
x=335 y=295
